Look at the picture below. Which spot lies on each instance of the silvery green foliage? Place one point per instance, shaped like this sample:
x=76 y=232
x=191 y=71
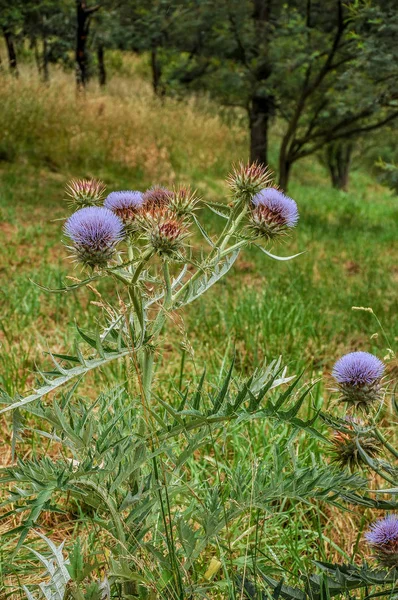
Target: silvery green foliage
x=56 y=572
x=124 y=458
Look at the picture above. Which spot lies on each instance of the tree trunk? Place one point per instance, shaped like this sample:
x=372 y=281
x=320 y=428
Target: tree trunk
x=45 y=70
x=83 y=15
x=12 y=56
x=338 y=159
x=285 y=165
x=259 y=116
x=101 y=65
x=34 y=47
x=158 y=88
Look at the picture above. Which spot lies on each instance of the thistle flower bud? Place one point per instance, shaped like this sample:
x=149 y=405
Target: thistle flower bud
x=345 y=452
x=272 y=214
x=126 y=205
x=94 y=231
x=382 y=536
x=156 y=199
x=247 y=180
x=183 y=201
x=166 y=233
x=85 y=192
x=358 y=375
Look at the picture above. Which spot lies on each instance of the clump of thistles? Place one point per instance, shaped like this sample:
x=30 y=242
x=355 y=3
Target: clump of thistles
x=165 y=233
x=383 y=538
x=155 y=199
x=272 y=213
x=85 y=192
x=95 y=232
x=246 y=180
x=345 y=449
x=358 y=375
x=126 y=205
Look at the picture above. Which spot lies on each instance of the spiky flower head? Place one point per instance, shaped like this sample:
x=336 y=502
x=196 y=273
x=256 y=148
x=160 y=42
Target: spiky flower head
x=246 y=180
x=94 y=231
x=183 y=201
x=345 y=449
x=85 y=192
x=156 y=199
x=126 y=205
x=273 y=213
x=358 y=375
x=165 y=233
x=382 y=536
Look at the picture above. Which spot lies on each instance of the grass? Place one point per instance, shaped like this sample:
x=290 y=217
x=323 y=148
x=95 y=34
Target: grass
x=300 y=309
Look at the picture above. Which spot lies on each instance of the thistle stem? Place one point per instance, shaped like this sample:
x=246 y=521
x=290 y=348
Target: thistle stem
x=383 y=440
x=147 y=372
x=229 y=230
x=167 y=282
x=140 y=267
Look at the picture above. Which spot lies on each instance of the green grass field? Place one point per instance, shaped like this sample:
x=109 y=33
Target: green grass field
x=300 y=309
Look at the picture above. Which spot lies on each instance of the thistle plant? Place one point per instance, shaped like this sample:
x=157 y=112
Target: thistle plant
x=358 y=375
x=128 y=458
x=273 y=213
x=383 y=538
x=85 y=192
x=127 y=206
x=94 y=232
x=348 y=441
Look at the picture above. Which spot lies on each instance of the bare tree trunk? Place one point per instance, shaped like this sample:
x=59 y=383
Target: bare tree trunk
x=12 y=56
x=338 y=159
x=34 y=47
x=101 y=65
x=285 y=165
x=45 y=70
x=259 y=116
x=158 y=88
x=83 y=15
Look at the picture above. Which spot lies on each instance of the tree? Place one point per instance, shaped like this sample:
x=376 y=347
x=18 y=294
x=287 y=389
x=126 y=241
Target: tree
x=47 y=24
x=326 y=68
x=339 y=87
x=226 y=49
x=10 y=21
x=84 y=14
x=338 y=159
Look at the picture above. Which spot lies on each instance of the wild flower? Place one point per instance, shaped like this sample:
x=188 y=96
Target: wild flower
x=358 y=375
x=382 y=536
x=126 y=205
x=166 y=233
x=85 y=192
x=345 y=448
x=94 y=231
x=273 y=213
x=156 y=198
x=246 y=180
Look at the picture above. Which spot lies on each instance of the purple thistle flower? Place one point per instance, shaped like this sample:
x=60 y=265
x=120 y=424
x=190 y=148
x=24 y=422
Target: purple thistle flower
x=358 y=368
x=280 y=208
x=383 y=537
x=127 y=205
x=124 y=202
x=156 y=199
x=94 y=231
x=358 y=375
x=272 y=213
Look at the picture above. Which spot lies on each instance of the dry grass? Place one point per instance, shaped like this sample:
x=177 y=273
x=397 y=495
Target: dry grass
x=124 y=128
